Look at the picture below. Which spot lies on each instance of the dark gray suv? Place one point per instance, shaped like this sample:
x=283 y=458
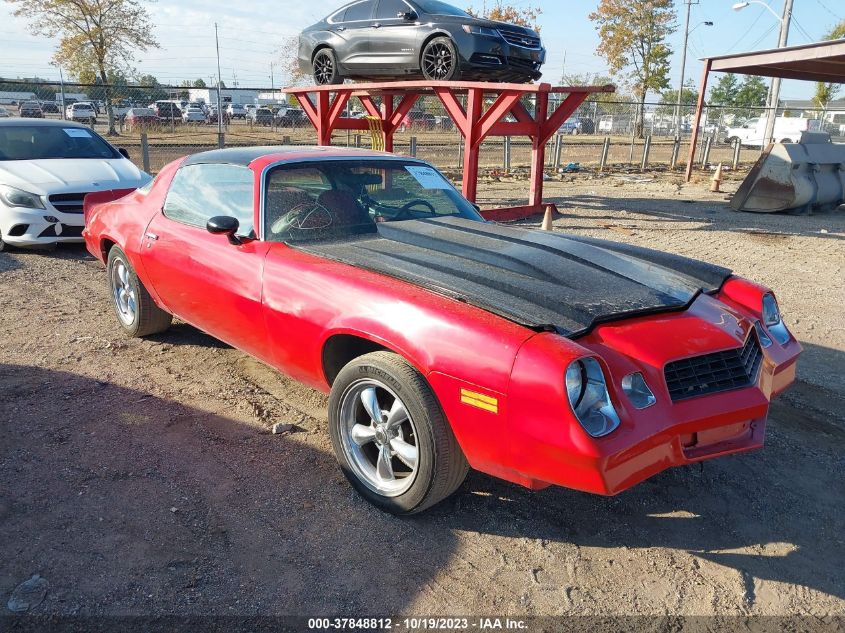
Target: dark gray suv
x=371 y=39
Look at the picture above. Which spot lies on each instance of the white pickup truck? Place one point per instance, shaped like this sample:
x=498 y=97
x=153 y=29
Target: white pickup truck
x=787 y=130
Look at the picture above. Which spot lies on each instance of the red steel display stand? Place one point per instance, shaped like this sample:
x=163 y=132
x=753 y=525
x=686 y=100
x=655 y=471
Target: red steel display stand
x=326 y=105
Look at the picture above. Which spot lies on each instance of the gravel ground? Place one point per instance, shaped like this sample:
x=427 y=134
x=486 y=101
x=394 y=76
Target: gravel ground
x=139 y=476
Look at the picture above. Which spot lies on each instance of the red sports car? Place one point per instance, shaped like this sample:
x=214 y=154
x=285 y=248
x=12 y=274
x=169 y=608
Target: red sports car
x=447 y=342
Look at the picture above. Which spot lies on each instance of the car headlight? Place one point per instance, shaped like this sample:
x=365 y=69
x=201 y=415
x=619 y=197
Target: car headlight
x=586 y=389
x=13 y=197
x=638 y=392
x=478 y=30
x=772 y=319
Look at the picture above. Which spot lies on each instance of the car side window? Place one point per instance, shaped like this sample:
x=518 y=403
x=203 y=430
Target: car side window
x=200 y=192
x=360 y=11
x=391 y=9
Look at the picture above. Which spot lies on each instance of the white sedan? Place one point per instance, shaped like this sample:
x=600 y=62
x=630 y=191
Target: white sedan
x=46 y=169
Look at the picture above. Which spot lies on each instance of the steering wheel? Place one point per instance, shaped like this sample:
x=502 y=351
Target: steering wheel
x=405 y=211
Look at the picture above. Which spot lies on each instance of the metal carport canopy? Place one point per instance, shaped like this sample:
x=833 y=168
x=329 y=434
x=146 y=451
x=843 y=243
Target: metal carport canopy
x=821 y=61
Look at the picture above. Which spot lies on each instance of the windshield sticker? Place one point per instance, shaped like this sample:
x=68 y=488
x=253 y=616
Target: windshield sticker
x=76 y=132
x=428 y=177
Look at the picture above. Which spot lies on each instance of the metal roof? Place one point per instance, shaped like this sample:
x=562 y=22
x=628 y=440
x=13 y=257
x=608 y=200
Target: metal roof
x=820 y=61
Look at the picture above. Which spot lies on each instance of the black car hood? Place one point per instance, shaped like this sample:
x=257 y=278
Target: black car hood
x=540 y=279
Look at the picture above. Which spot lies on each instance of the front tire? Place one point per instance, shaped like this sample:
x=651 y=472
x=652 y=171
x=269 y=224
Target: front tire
x=390 y=436
x=325 y=68
x=439 y=60
x=136 y=311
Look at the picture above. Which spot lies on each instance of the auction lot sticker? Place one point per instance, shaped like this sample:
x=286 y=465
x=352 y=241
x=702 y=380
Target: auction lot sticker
x=77 y=132
x=427 y=177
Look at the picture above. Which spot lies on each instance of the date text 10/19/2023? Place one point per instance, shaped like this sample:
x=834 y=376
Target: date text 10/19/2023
x=418 y=624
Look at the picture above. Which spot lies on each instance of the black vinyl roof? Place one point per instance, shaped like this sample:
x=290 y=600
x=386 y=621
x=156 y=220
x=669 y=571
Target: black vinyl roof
x=16 y=122
x=245 y=155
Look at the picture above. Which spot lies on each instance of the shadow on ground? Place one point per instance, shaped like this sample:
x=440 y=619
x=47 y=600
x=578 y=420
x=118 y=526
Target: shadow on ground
x=128 y=503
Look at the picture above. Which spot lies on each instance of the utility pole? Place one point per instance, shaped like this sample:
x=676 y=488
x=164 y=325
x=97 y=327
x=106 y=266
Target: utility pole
x=62 y=82
x=772 y=111
x=683 y=70
x=219 y=99
x=272 y=84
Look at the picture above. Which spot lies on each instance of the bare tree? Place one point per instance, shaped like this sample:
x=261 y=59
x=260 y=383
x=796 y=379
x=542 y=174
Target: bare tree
x=510 y=13
x=94 y=35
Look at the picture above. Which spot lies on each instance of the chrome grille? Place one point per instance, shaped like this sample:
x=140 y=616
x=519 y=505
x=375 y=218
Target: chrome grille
x=712 y=373
x=520 y=39
x=68 y=202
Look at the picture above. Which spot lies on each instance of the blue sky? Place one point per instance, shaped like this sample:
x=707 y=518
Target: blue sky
x=250 y=38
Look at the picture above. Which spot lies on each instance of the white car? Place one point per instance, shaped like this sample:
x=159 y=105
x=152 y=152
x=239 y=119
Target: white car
x=194 y=114
x=81 y=113
x=46 y=169
x=4 y=113
x=786 y=130
x=236 y=111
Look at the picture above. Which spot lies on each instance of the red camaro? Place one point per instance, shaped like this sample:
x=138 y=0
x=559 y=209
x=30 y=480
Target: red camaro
x=446 y=341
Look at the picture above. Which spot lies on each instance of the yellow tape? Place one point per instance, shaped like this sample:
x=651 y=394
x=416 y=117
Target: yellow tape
x=475 y=399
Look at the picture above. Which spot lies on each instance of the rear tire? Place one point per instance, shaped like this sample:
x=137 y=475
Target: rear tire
x=439 y=60
x=407 y=460
x=325 y=68
x=136 y=311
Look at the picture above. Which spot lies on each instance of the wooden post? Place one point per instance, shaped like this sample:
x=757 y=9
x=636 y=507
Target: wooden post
x=646 y=148
x=737 y=147
x=676 y=149
x=605 y=150
x=145 y=152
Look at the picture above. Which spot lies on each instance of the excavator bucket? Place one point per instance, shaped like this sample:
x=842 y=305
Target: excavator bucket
x=798 y=177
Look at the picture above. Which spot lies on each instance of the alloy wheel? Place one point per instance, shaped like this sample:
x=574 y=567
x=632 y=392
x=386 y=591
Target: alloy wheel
x=124 y=293
x=438 y=61
x=379 y=437
x=323 y=68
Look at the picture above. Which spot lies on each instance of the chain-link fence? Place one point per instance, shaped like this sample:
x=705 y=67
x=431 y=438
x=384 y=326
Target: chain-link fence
x=157 y=124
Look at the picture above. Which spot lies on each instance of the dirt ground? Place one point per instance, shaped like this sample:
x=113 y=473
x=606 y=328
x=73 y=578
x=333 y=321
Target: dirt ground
x=139 y=476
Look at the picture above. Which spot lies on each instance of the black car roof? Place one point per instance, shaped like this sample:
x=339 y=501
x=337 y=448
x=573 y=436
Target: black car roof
x=40 y=123
x=245 y=155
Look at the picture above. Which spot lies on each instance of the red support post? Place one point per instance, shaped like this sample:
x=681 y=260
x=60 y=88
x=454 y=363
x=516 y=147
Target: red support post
x=469 y=186
x=705 y=72
x=386 y=114
x=538 y=151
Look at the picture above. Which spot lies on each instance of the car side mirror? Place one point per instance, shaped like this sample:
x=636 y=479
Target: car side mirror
x=123 y=152
x=224 y=225
x=408 y=16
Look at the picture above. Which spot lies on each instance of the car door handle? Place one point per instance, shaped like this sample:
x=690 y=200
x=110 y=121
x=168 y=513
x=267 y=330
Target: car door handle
x=376 y=25
x=151 y=236
x=341 y=28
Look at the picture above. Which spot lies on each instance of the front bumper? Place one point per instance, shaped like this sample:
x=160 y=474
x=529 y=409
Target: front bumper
x=32 y=227
x=491 y=57
x=546 y=444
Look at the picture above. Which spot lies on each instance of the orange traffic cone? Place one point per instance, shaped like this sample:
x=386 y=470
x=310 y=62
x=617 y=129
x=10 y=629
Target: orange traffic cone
x=717 y=178
x=547 y=219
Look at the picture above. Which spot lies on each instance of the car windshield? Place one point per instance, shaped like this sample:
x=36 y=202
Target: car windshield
x=35 y=142
x=436 y=7
x=337 y=199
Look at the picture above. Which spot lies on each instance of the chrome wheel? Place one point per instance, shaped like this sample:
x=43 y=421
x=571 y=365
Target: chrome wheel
x=323 y=68
x=438 y=61
x=124 y=294
x=379 y=437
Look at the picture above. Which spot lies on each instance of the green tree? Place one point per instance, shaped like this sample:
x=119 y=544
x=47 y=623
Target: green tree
x=633 y=40
x=199 y=83
x=752 y=93
x=93 y=35
x=826 y=92
x=669 y=99
x=512 y=14
x=724 y=92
